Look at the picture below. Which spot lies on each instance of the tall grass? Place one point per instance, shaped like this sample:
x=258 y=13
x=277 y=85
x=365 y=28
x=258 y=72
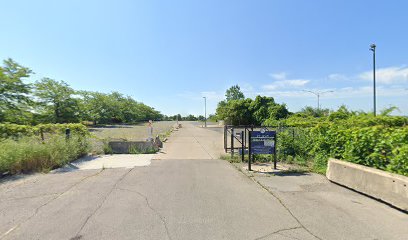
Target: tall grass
x=30 y=154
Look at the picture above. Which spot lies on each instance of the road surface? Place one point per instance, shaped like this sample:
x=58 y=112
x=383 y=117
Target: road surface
x=186 y=193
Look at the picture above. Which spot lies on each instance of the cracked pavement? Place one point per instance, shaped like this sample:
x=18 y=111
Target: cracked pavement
x=187 y=194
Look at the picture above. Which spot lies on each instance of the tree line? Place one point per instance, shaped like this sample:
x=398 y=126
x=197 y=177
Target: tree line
x=189 y=117
x=52 y=101
x=238 y=110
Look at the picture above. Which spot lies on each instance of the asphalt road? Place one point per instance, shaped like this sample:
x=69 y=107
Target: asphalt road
x=186 y=193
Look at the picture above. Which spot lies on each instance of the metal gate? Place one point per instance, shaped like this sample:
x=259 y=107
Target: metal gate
x=236 y=138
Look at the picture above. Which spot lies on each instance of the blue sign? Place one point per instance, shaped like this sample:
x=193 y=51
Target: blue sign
x=263 y=142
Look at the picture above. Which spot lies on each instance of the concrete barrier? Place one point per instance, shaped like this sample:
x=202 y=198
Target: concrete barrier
x=388 y=187
x=126 y=146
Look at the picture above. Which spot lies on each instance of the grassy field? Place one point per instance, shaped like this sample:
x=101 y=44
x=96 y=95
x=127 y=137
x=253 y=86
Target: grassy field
x=131 y=132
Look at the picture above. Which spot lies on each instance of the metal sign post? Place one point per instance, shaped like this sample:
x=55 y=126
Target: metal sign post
x=249 y=152
x=232 y=142
x=242 y=147
x=262 y=142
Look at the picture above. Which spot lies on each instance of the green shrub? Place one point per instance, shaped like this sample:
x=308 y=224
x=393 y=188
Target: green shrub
x=382 y=145
x=106 y=147
x=9 y=130
x=294 y=143
x=134 y=149
x=235 y=159
x=31 y=154
x=399 y=164
x=319 y=164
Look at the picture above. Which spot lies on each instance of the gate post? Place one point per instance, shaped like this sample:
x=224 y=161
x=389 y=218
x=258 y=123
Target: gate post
x=249 y=152
x=225 y=138
x=274 y=150
x=232 y=142
x=242 y=146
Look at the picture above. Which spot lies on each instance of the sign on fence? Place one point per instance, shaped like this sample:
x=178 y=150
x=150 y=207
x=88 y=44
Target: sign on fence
x=262 y=142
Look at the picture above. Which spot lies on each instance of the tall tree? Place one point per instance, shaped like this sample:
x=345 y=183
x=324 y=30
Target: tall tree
x=57 y=101
x=234 y=93
x=14 y=93
x=278 y=111
x=235 y=112
x=114 y=108
x=260 y=108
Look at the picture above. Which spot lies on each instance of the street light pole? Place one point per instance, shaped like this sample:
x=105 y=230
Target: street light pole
x=318 y=96
x=372 y=48
x=205 y=111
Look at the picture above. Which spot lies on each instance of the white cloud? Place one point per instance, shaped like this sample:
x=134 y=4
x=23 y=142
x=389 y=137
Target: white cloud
x=294 y=83
x=337 y=77
x=390 y=75
x=246 y=88
x=339 y=93
x=278 y=76
x=212 y=95
x=198 y=96
x=296 y=94
x=282 y=82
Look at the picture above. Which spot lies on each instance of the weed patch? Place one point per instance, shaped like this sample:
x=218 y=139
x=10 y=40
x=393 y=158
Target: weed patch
x=29 y=154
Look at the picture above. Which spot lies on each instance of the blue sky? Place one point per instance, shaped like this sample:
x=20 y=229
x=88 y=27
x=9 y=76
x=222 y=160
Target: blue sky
x=169 y=54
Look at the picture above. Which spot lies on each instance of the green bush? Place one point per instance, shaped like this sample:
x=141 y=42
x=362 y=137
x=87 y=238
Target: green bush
x=31 y=154
x=399 y=164
x=9 y=130
x=134 y=149
x=381 y=146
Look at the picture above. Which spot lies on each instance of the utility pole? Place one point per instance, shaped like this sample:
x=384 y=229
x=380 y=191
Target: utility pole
x=318 y=96
x=372 y=48
x=205 y=111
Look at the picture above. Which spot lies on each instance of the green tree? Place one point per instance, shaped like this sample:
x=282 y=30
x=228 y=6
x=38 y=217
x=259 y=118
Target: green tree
x=14 y=93
x=57 y=101
x=260 y=108
x=92 y=105
x=235 y=112
x=278 y=111
x=190 y=117
x=341 y=113
x=234 y=93
x=314 y=112
x=114 y=108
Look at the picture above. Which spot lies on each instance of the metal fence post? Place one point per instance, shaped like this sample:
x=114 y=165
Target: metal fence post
x=249 y=152
x=245 y=138
x=232 y=142
x=225 y=138
x=67 y=133
x=274 y=150
x=242 y=147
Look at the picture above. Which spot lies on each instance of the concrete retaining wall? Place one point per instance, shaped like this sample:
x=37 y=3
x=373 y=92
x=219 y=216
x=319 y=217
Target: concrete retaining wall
x=125 y=146
x=388 y=187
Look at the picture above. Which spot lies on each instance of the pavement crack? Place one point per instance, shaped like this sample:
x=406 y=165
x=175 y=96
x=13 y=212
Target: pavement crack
x=100 y=205
x=151 y=208
x=205 y=150
x=46 y=203
x=292 y=237
x=279 y=200
x=277 y=232
x=28 y=197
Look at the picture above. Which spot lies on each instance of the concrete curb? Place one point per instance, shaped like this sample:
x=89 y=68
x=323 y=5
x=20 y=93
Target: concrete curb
x=388 y=187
